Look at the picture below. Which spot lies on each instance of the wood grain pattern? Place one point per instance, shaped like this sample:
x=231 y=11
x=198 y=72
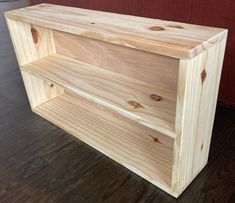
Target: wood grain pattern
x=148 y=67
x=127 y=96
x=157 y=36
x=113 y=135
x=206 y=115
x=38 y=90
x=30 y=42
x=198 y=89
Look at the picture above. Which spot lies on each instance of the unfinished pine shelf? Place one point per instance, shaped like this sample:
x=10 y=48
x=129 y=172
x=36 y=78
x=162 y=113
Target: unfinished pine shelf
x=142 y=91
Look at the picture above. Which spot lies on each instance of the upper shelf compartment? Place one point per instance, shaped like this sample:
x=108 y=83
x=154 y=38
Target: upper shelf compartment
x=178 y=40
x=147 y=104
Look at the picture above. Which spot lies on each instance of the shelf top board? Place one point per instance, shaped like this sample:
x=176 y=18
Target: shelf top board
x=178 y=40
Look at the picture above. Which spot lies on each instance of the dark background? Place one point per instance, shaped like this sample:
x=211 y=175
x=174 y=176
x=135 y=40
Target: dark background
x=217 y=13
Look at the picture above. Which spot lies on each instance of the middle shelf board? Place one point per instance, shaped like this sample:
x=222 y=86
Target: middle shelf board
x=147 y=104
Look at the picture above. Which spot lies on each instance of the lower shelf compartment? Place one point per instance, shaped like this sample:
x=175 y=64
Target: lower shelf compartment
x=139 y=148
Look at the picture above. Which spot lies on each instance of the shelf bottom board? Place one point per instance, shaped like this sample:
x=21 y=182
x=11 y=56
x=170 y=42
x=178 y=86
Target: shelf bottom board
x=150 y=155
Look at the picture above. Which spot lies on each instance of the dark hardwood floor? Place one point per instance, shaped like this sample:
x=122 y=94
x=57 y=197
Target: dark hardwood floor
x=41 y=163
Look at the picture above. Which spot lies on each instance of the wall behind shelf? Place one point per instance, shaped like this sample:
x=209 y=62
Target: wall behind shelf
x=215 y=13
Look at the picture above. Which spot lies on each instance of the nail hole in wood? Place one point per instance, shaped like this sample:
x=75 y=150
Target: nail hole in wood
x=35 y=35
x=176 y=26
x=202 y=146
x=156 y=97
x=135 y=104
x=156 y=28
x=203 y=75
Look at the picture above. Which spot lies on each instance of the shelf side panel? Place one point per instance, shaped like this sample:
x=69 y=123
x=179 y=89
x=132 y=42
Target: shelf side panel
x=196 y=103
x=38 y=90
x=30 y=42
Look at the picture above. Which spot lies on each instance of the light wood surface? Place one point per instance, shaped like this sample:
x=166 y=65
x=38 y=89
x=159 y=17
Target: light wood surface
x=128 y=143
x=30 y=42
x=174 y=39
x=130 y=97
x=148 y=67
x=142 y=91
x=38 y=90
x=199 y=82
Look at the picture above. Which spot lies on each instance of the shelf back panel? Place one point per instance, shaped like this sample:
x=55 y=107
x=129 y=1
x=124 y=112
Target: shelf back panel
x=145 y=66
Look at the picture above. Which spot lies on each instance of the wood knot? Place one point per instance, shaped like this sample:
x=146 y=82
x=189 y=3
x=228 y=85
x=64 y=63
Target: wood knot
x=203 y=75
x=156 y=97
x=51 y=85
x=135 y=104
x=156 y=28
x=202 y=146
x=93 y=23
x=155 y=139
x=35 y=35
x=176 y=26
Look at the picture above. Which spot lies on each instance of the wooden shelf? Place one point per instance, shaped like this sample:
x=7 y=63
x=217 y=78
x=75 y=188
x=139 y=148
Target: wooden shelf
x=113 y=134
x=135 y=99
x=142 y=91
